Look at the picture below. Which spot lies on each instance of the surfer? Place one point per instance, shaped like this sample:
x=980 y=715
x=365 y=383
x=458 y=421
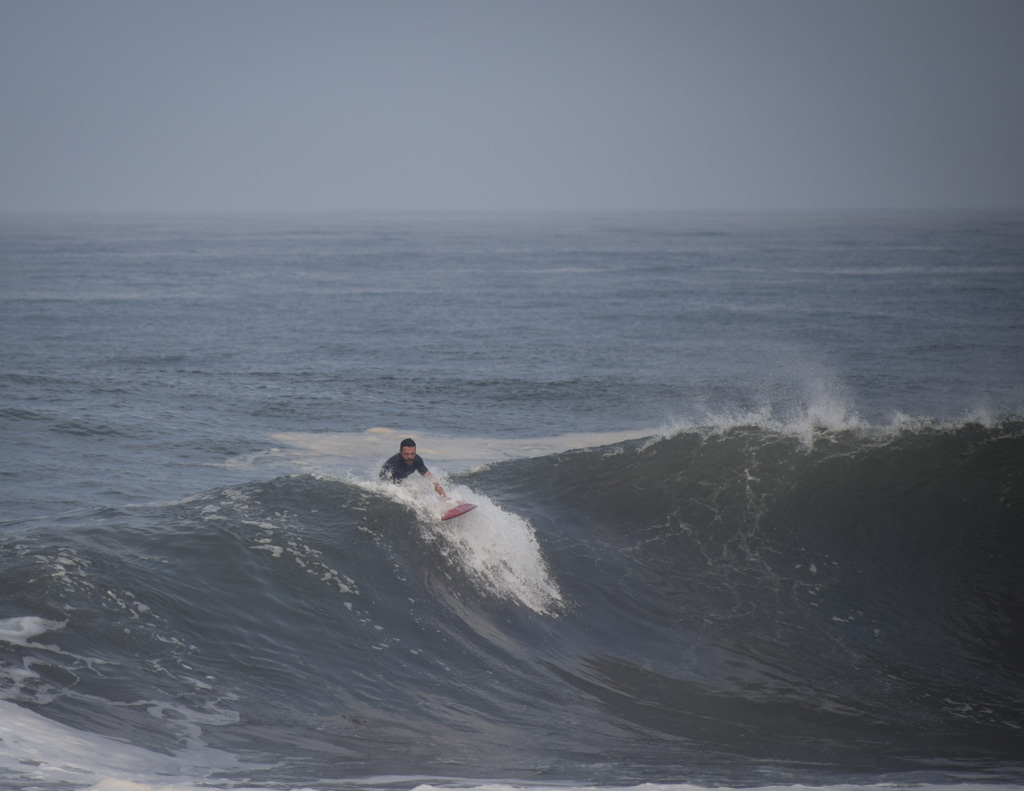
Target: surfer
x=405 y=463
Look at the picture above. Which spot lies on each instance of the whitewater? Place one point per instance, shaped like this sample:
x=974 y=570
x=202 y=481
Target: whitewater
x=750 y=494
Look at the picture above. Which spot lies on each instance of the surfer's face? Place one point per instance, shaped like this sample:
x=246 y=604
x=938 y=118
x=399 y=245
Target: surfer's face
x=408 y=455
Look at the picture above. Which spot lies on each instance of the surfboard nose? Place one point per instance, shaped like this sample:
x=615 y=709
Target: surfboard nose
x=458 y=510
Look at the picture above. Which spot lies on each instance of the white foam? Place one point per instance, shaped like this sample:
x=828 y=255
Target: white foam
x=18 y=631
x=804 y=424
x=500 y=550
x=824 y=408
x=808 y=422
x=496 y=549
x=365 y=451
x=39 y=751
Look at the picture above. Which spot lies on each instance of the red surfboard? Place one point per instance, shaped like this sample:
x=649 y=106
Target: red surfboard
x=458 y=510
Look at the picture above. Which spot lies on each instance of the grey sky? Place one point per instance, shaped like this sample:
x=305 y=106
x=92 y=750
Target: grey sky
x=556 y=104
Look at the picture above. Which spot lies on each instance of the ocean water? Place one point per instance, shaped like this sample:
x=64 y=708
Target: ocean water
x=750 y=497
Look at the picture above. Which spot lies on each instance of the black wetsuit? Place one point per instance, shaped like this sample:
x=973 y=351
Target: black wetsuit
x=395 y=469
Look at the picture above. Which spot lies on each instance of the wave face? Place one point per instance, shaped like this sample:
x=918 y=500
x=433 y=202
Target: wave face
x=740 y=605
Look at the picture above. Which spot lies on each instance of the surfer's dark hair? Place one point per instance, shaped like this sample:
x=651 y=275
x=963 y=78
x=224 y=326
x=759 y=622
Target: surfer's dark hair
x=408 y=442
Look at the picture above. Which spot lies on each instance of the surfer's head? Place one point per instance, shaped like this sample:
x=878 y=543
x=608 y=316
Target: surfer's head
x=408 y=450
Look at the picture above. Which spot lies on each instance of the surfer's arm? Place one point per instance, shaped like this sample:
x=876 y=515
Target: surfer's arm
x=437 y=486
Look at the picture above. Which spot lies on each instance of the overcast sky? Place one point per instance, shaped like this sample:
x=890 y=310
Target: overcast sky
x=516 y=105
